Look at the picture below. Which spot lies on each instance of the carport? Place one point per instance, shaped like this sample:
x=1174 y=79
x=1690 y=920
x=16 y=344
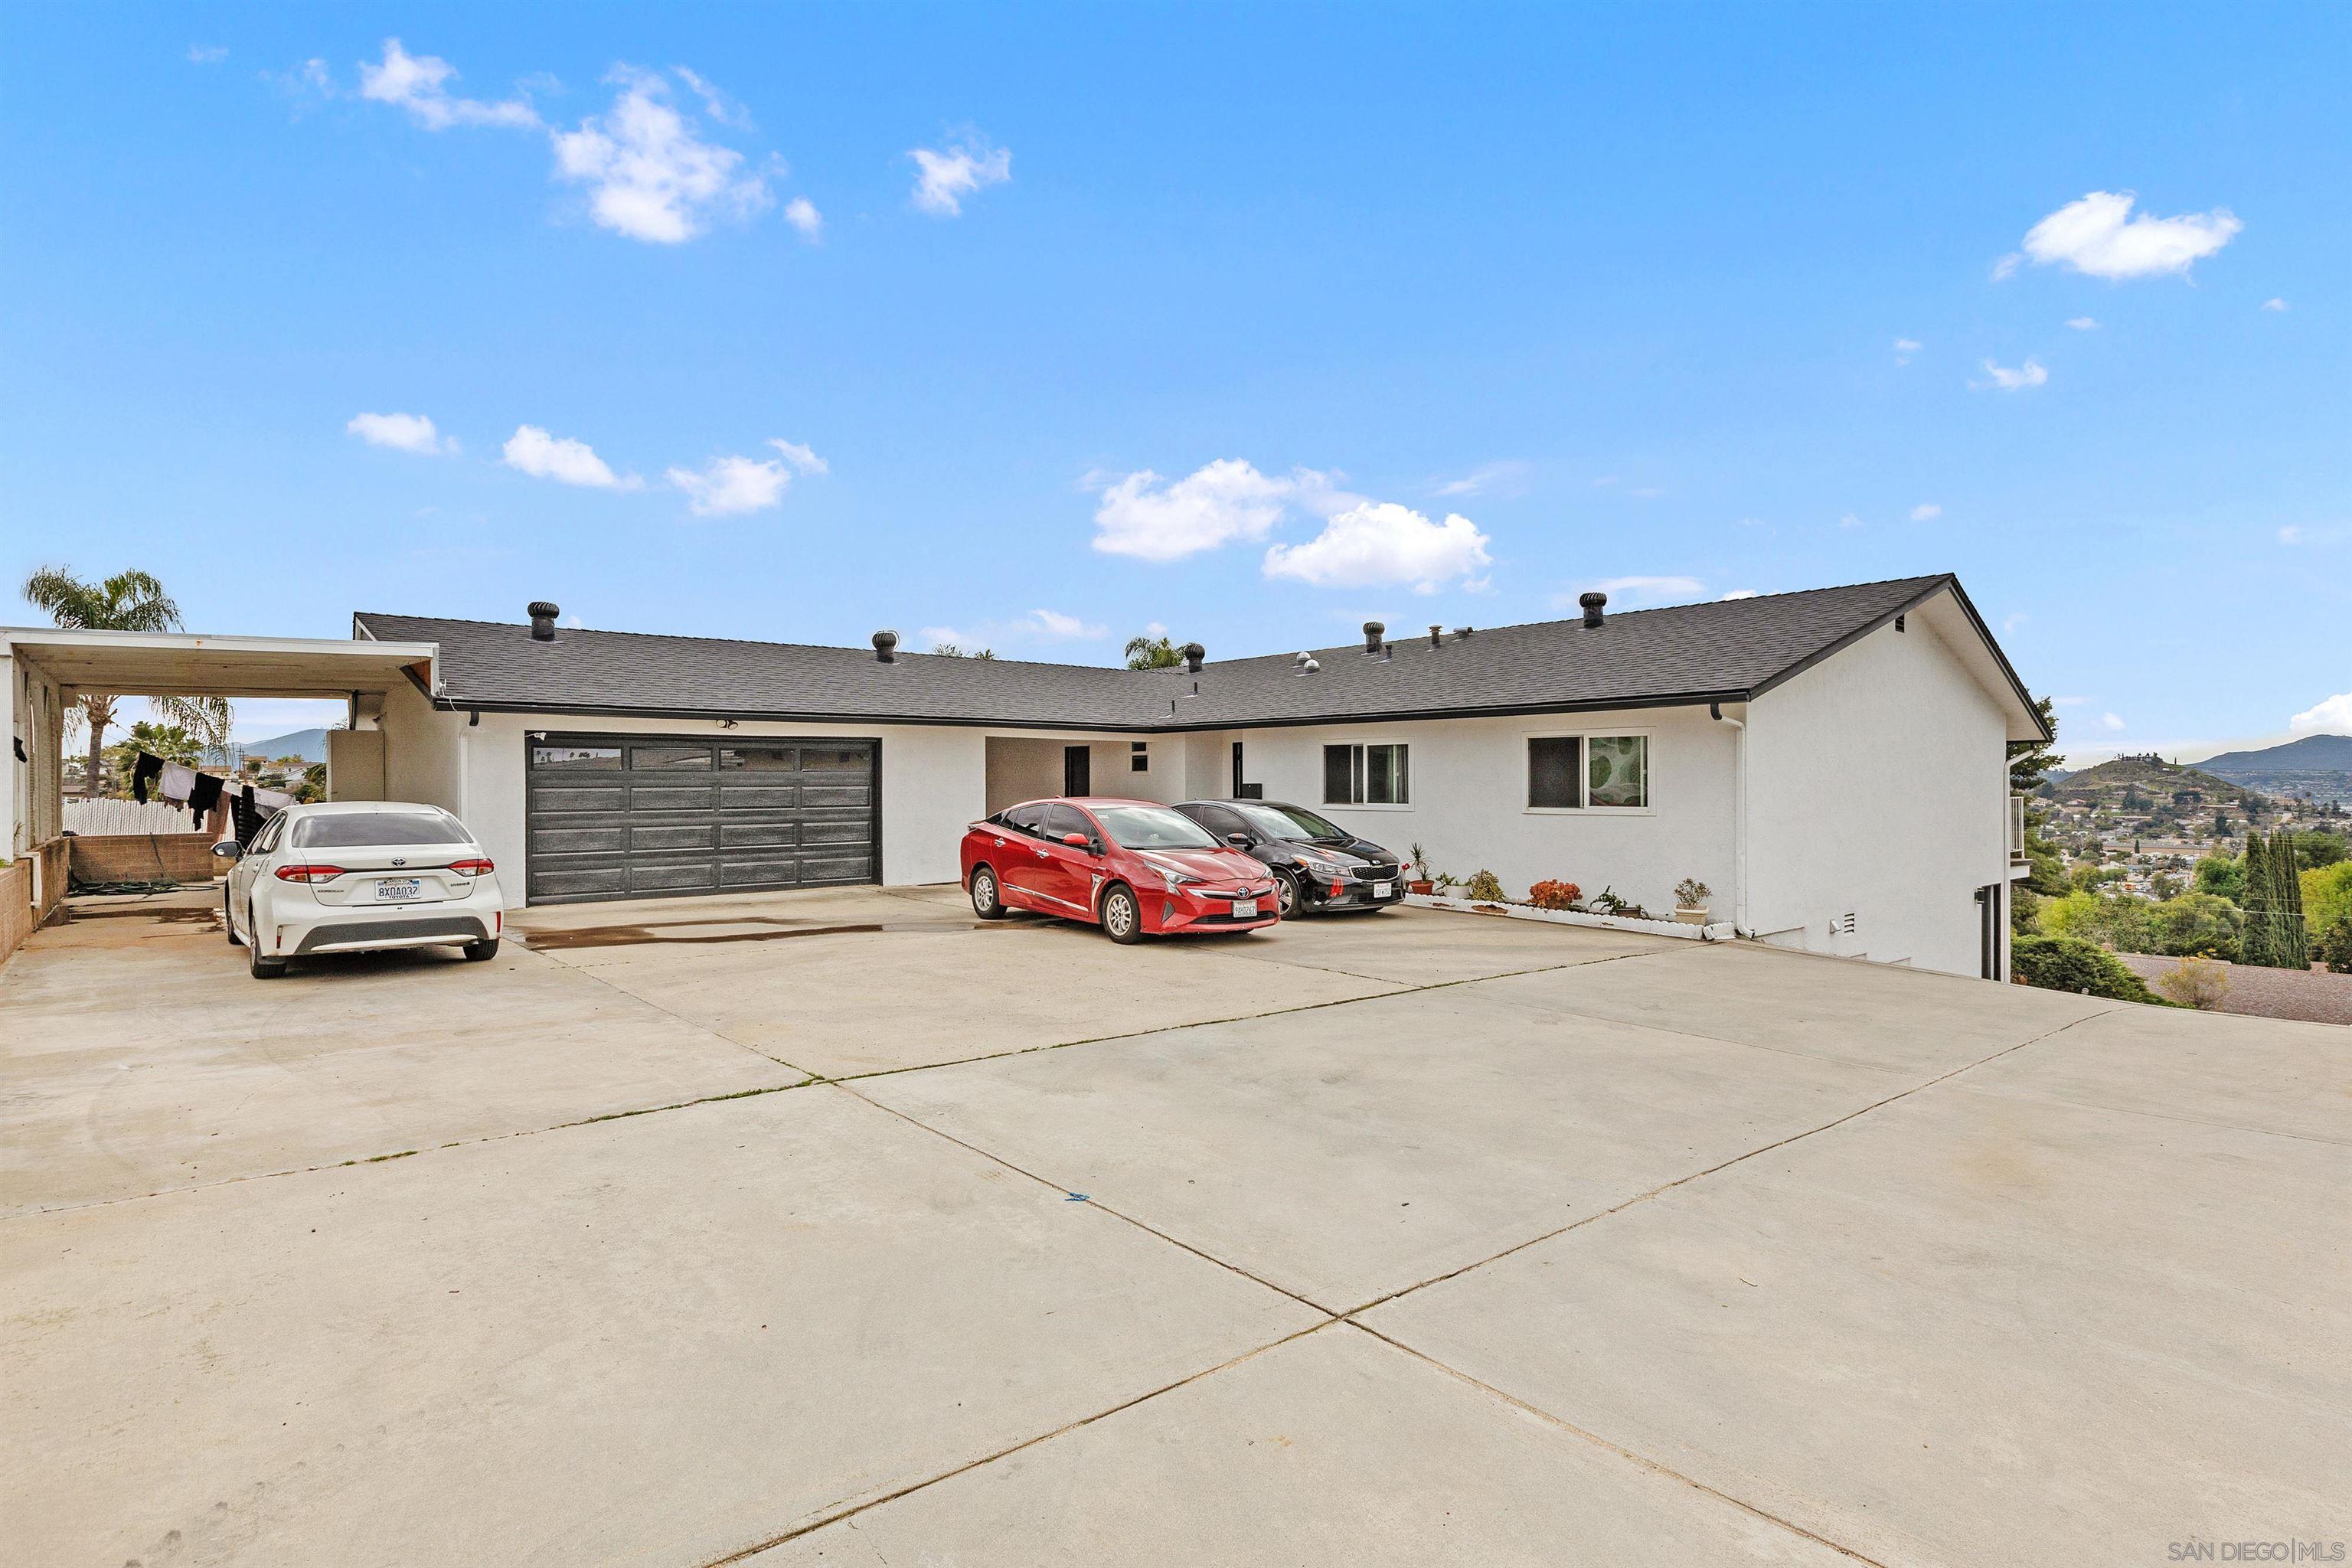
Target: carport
x=46 y=671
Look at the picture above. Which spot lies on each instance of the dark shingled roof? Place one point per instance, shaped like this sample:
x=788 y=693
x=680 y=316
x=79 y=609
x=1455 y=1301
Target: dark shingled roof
x=1728 y=650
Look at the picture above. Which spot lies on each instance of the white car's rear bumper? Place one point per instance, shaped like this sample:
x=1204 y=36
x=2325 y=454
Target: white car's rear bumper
x=312 y=927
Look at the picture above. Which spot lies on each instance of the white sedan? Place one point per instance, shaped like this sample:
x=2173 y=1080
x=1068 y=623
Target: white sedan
x=354 y=874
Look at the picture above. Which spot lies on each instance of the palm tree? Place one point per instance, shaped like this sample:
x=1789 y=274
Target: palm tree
x=1152 y=653
x=126 y=602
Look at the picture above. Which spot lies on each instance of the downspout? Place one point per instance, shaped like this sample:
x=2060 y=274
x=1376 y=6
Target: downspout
x=1740 y=924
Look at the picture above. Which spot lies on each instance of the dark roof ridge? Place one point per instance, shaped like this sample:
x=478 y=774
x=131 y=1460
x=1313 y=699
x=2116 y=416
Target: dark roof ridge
x=1922 y=578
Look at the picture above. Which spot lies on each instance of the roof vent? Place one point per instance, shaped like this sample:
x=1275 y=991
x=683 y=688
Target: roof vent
x=1373 y=632
x=1309 y=665
x=1593 y=603
x=1193 y=654
x=1460 y=632
x=1436 y=637
x=885 y=646
x=542 y=620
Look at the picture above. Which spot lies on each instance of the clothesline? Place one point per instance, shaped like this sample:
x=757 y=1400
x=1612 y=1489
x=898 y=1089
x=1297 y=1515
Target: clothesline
x=179 y=785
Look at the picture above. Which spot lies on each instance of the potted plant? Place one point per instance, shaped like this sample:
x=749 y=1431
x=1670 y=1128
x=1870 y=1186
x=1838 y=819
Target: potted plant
x=1485 y=888
x=1421 y=883
x=1690 y=900
x=1444 y=884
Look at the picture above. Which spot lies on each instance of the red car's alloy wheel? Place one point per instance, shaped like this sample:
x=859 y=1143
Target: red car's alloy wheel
x=985 y=902
x=1120 y=917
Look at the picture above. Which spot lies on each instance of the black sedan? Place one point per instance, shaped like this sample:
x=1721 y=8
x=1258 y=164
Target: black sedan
x=1318 y=863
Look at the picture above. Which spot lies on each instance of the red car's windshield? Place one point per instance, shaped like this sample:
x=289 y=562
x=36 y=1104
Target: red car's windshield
x=1153 y=827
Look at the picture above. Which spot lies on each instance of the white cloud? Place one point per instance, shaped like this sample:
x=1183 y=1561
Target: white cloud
x=1743 y=593
x=1146 y=517
x=400 y=432
x=2011 y=622
x=2083 y=323
x=943 y=178
x=2330 y=716
x=2030 y=374
x=2274 y=303
x=801 y=214
x=534 y=452
x=206 y=54
x=1503 y=479
x=1849 y=521
x=650 y=174
x=1905 y=348
x=1037 y=625
x=716 y=104
x=2110 y=722
x=801 y=457
x=731 y=486
x=2098 y=236
x=1383 y=542
x=1054 y=623
x=1650 y=590
x=418 y=83
x=1926 y=511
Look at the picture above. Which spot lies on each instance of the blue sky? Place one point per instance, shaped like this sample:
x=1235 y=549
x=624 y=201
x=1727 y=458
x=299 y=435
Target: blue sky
x=1042 y=326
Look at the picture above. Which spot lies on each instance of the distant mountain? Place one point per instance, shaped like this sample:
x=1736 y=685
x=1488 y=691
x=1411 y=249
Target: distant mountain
x=310 y=745
x=2312 y=754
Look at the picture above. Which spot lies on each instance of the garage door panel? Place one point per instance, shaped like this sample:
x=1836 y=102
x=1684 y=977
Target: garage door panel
x=560 y=841
x=551 y=884
x=573 y=797
x=621 y=817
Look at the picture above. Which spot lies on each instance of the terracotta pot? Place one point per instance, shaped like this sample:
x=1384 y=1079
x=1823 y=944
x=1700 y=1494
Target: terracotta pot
x=1424 y=888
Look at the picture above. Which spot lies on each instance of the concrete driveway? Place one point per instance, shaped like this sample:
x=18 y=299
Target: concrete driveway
x=840 y=1228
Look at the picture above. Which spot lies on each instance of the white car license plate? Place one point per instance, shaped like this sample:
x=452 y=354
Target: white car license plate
x=1244 y=908
x=1382 y=890
x=393 y=889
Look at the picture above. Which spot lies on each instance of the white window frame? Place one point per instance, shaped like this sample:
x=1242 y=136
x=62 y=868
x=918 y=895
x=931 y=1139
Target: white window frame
x=1584 y=808
x=1405 y=804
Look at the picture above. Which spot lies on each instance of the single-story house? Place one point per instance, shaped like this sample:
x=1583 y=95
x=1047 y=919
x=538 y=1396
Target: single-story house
x=1831 y=762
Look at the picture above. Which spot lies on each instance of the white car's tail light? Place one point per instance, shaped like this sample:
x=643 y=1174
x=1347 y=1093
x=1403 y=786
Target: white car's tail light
x=472 y=867
x=308 y=873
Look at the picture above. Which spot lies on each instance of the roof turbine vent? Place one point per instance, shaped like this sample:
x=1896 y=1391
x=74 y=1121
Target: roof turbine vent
x=885 y=646
x=542 y=620
x=1309 y=665
x=1193 y=654
x=1593 y=603
x=1373 y=632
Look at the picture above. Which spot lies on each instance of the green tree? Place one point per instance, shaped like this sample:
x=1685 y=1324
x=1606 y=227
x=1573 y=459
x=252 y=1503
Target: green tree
x=1152 y=653
x=127 y=602
x=2292 y=944
x=955 y=651
x=2119 y=920
x=2326 y=896
x=2198 y=925
x=2254 y=897
x=2224 y=876
x=2029 y=760
x=2314 y=848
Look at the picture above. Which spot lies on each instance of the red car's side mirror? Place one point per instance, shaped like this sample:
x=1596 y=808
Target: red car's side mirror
x=1077 y=841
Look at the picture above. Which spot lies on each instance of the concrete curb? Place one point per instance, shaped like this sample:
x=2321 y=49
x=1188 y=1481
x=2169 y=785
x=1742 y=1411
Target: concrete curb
x=1720 y=930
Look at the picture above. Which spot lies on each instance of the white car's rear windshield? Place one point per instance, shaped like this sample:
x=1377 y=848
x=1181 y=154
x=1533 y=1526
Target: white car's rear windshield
x=367 y=829
x=1153 y=827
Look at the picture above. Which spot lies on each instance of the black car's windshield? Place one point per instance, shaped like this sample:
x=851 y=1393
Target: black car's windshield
x=368 y=829
x=1153 y=827
x=1290 y=822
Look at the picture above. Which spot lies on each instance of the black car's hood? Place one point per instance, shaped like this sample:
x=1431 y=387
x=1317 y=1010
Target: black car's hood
x=1352 y=848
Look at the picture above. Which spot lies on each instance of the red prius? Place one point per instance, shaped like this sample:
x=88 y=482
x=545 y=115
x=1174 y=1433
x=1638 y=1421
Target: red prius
x=1133 y=868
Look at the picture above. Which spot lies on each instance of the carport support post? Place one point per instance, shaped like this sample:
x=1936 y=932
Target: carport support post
x=14 y=796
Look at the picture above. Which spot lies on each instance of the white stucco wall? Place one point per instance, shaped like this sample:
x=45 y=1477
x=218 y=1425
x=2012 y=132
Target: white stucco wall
x=1027 y=766
x=1878 y=784
x=1469 y=806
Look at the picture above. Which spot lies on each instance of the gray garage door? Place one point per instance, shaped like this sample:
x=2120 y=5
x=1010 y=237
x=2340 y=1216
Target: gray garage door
x=633 y=816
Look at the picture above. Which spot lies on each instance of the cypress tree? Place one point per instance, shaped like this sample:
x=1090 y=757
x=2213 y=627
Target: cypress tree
x=2254 y=948
x=2292 y=946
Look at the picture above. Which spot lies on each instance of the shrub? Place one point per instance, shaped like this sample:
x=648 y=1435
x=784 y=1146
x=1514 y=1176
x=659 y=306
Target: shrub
x=1555 y=895
x=1691 y=893
x=1608 y=903
x=2197 y=925
x=1485 y=888
x=2197 y=982
x=2326 y=896
x=2066 y=963
x=2334 y=947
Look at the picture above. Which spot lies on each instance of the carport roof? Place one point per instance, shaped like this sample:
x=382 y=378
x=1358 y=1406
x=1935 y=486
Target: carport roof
x=190 y=663
x=1728 y=651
